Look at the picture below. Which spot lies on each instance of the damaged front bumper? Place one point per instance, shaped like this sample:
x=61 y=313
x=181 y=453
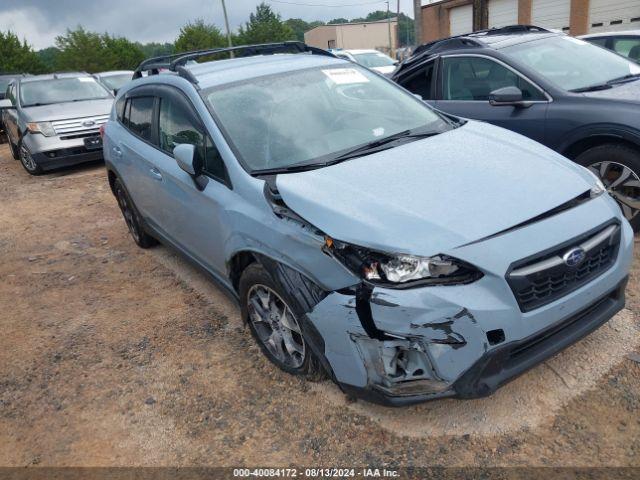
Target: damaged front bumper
x=404 y=346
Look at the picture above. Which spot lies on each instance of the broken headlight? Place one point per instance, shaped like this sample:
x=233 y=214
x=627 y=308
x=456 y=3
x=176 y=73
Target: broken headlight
x=401 y=270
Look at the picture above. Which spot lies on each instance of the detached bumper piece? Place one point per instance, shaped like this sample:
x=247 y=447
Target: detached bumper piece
x=507 y=362
x=397 y=369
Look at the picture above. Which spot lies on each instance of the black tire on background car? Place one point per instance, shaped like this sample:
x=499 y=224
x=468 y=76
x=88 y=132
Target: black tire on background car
x=27 y=161
x=132 y=217
x=14 y=149
x=618 y=166
x=274 y=319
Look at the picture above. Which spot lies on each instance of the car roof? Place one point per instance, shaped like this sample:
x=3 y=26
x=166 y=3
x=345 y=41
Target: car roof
x=226 y=71
x=612 y=34
x=362 y=50
x=114 y=72
x=54 y=76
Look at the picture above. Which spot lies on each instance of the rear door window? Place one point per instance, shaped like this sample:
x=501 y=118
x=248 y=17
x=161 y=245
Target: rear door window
x=140 y=116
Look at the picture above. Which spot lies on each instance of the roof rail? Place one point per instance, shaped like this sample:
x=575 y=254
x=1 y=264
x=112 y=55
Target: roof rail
x=509 y=29
x=467 y=40
x=177 y=61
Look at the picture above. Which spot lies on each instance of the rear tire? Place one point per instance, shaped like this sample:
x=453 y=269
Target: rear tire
x=132 y=217
x=618 y=166
x=274 y=321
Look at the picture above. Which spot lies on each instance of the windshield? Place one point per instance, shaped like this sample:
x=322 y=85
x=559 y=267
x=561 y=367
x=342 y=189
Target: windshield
x=47 y=92
x=372 y=60
x=570 y=63
x=287 y=119
x=115 y=82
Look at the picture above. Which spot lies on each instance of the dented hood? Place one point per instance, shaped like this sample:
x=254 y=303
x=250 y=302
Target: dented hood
x=428 y=196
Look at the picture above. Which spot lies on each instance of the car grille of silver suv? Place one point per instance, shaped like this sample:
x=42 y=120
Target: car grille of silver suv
x=79 y=127
x=548 y=276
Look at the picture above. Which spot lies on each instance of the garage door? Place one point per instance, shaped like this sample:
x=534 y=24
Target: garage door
x=551 y=13
x=612 y=15
x=503 y=13
x=461 y=20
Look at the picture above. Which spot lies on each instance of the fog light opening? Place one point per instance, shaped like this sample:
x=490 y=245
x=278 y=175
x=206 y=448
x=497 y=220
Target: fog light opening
x=495 y=336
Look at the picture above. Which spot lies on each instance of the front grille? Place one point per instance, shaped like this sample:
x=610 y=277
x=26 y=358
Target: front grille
x=79 y=125
x=546 y=277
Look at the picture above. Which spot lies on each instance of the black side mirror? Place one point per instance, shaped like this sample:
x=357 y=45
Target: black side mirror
x=507 y=96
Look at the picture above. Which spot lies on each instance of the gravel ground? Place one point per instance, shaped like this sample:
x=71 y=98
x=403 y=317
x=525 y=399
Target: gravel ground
x=115 y=356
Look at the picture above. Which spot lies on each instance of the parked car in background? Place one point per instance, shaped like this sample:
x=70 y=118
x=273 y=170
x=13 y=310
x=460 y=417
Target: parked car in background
x=115 y=80
x=626 y=43
x=580 y=100
x=54 y=120
x=405 y=253
x=372 y=59
x=4 y=83
x=5 y=79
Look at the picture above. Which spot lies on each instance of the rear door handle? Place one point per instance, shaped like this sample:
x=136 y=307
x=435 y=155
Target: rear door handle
x=155 y=173
x=117 y=151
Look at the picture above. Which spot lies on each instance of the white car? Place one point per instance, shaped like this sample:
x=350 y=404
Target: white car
x=372 y=59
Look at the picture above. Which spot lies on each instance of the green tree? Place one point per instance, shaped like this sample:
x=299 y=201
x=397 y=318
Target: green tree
x=338 y=20
x=265 y=26
x=48 y=57
x=199 y=35
x=154 y=49
x=93 y=52
x=120 y=53
x=17 y=56
x=299 y=27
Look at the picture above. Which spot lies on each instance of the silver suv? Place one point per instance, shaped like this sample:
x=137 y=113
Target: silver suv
x=54 y=121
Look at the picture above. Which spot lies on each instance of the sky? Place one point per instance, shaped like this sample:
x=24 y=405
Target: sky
x=40 y=21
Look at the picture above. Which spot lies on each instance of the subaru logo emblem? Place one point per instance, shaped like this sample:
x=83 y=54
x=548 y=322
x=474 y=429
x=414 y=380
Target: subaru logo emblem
x=574 y=257
x=88 y=123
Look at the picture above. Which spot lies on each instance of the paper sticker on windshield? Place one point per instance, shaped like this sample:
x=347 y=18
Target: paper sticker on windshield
x=345 y=76
x=86 y=79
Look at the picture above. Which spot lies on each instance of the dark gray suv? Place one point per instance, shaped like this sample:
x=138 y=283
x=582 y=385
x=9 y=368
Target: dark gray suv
x=574 y=97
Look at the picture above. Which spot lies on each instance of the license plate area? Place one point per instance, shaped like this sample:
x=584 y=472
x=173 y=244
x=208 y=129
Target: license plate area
x=93 y=143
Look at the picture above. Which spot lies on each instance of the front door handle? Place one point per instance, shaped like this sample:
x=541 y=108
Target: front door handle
x=155 y=173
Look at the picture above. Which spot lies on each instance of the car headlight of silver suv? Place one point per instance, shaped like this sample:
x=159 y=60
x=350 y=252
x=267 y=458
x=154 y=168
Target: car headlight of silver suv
x=400 y=270
x=45 y=128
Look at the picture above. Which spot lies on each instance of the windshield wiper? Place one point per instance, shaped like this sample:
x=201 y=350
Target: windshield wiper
x=624 y=79
x=366 y=149
x=608 y=84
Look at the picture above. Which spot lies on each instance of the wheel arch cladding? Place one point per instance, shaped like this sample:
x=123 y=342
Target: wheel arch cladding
x=303 y=295
x=580 y=146
x=111 y=176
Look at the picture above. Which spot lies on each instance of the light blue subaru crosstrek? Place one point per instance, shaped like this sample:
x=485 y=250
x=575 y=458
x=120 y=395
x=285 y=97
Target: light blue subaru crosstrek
x=406 y=254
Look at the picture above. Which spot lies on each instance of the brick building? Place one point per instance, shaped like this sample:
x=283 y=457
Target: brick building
x=577 y=17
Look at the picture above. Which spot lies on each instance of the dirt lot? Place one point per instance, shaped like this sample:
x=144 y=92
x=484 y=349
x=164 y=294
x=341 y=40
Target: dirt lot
x=110 y=355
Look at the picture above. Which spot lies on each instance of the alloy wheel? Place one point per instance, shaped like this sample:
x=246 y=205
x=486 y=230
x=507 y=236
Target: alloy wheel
x=27 y=160
x=622 y=183
x=128 y=214
x=276 y=326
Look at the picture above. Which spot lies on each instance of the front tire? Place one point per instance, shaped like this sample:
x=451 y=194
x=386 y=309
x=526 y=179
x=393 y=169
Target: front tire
x=131 y=217
x=275 y=324
x=618 y=166
x=13 y=148
x=27 y=161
